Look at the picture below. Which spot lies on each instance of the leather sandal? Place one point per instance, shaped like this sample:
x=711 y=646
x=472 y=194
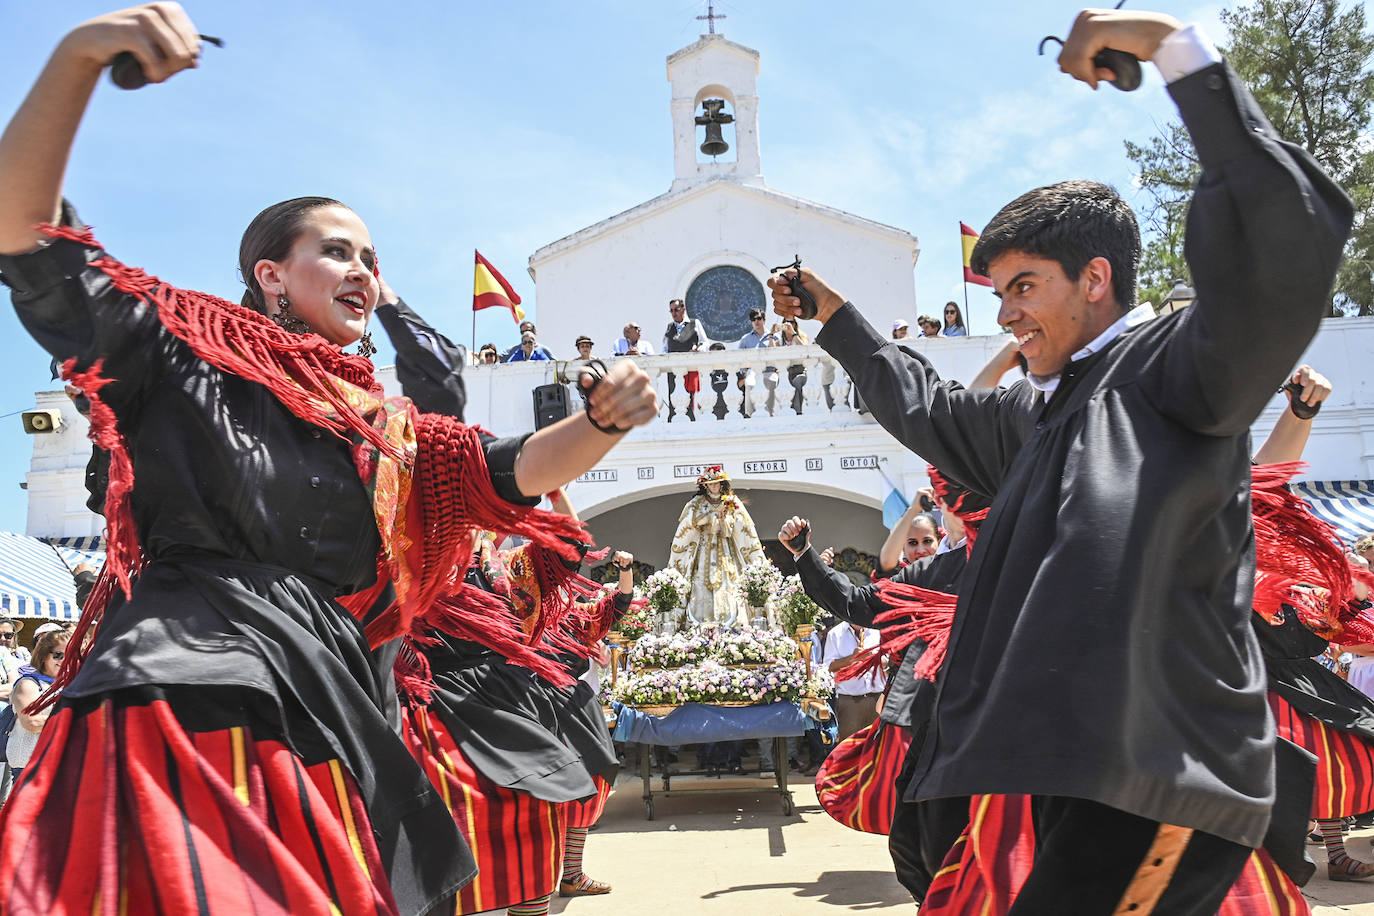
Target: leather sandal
x=592 y=888
x=1350 y=869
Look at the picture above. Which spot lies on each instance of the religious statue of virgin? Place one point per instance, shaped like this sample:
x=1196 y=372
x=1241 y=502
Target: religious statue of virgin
x=715 y=541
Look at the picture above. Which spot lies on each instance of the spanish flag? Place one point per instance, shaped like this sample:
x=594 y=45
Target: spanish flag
x=970 y=238
x=489 y=289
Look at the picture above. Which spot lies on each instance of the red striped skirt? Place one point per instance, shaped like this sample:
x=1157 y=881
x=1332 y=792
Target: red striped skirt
x=587 y=812
x=857 y=784
x=516 y=838
x=123 y=811
x=1345 y=762
x=986 y=867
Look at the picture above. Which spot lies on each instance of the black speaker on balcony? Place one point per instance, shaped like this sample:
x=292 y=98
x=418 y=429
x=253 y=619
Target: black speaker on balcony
x=550 y=404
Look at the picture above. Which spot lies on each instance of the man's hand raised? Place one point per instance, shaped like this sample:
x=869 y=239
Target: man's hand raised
x=789 y=306
x=1134 y=32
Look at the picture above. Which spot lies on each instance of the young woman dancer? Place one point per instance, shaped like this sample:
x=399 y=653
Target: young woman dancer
x=224 y=733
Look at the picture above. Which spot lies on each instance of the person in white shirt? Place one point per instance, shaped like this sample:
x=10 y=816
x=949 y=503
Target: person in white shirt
x=632 y=344
x=856 y=700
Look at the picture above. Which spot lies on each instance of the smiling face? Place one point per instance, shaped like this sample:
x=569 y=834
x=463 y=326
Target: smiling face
x=922 y=540
x=1052 y=316
x=328 y=275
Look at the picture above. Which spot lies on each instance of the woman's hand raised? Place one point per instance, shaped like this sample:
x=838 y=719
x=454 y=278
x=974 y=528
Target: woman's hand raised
x=159 y=35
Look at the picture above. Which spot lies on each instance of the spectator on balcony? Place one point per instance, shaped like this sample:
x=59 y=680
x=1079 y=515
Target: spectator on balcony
x=900 y=329
x=791 y=335
x=683 y=335
x=584 y=346
x=954 y=321
x=631 y=344
x=526 y=326
x=758 y=336
x=487 y=356
x=528 y=350
x=929 y=326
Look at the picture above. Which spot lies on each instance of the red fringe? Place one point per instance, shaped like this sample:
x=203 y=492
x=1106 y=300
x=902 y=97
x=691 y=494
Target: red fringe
x=1294 y=547
x=972 y=519
x=414 y=678
x=913 y=613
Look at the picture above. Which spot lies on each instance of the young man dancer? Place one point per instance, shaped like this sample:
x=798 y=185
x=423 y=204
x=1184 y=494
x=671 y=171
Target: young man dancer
x=1101 y=659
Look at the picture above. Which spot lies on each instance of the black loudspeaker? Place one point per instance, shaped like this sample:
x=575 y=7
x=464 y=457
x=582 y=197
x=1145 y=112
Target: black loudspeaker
x=550 y=404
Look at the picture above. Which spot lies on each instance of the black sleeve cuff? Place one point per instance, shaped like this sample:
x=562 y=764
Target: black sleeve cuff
x=501 y=465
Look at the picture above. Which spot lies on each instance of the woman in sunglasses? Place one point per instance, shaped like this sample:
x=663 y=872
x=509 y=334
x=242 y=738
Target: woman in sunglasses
x=48 y=652
x=954 y=321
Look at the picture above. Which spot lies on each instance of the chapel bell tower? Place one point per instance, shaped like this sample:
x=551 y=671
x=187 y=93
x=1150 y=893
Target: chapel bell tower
x=715 y=112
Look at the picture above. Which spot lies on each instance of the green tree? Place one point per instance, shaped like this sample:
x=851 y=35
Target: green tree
x=1308 y=64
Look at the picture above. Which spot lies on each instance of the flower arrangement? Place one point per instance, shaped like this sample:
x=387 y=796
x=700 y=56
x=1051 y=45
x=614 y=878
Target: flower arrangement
x=667 y=590
x=758 y=582
x=711 y=683
x=821 y=683
x=670 y=651
x=749 y=646
x=635 y=622
x=794 y=606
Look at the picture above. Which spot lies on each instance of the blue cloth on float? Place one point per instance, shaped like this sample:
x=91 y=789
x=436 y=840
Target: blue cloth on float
x=695 y=723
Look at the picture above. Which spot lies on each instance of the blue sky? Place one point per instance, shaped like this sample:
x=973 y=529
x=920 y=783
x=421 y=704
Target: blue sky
x=505 y=126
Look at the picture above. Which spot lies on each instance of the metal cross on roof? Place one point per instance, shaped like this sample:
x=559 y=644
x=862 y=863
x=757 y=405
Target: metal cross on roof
x=711 y=17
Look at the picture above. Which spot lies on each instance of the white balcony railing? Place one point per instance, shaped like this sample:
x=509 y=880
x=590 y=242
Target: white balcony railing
x=725 y=390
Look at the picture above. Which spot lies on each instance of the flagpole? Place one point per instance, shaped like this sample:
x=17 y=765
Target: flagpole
x=968 y=316
x=474 y=311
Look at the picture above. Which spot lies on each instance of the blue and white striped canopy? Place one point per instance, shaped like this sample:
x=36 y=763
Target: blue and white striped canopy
x=1347 y=505
x=35 y=581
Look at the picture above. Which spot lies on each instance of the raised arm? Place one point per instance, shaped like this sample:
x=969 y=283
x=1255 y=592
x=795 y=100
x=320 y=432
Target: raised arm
x=37 y=143
x=1288 y=438
x=890 y=554
x=1266 y=231
x=836 y=592
x=972 y=435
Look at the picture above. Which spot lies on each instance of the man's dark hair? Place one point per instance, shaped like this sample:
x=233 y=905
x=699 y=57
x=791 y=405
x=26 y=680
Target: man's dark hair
x=1069 y=223
x=755 y=314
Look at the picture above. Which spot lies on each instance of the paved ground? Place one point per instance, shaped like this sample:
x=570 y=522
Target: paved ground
x=737 y=854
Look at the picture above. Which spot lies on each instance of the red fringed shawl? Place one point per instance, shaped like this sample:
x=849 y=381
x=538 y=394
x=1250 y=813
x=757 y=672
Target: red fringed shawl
x=426 y=474
x=913 y=613
x=1295 y=553
x=918 y=613
x=559 y=608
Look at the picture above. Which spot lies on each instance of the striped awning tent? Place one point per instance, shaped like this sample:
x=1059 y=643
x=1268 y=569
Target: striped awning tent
x=36 y=575
x=1347 y=505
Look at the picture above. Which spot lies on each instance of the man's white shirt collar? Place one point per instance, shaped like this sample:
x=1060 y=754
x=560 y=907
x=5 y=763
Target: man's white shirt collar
x=1046 y=384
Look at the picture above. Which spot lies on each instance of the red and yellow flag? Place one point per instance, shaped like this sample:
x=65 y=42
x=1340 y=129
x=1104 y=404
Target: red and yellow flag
x=970 y=238
x=489 y=289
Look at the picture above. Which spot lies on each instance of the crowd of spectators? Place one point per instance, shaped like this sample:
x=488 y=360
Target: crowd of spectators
x=685 y=335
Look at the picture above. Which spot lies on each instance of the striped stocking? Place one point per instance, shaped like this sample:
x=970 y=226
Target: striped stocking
x=536 y=907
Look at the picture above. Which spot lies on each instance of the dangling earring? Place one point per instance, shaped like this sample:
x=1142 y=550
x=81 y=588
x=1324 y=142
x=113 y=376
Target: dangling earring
x=365 y=347
x=286 y=320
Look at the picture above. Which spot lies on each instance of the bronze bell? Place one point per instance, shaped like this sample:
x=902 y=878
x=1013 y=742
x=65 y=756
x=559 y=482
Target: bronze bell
x=712 y=119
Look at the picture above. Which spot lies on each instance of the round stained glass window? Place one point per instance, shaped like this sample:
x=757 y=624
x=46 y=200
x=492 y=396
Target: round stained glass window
x=722 y=297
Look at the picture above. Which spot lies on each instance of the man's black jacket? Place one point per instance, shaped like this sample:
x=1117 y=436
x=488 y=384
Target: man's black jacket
x=1102 y=646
